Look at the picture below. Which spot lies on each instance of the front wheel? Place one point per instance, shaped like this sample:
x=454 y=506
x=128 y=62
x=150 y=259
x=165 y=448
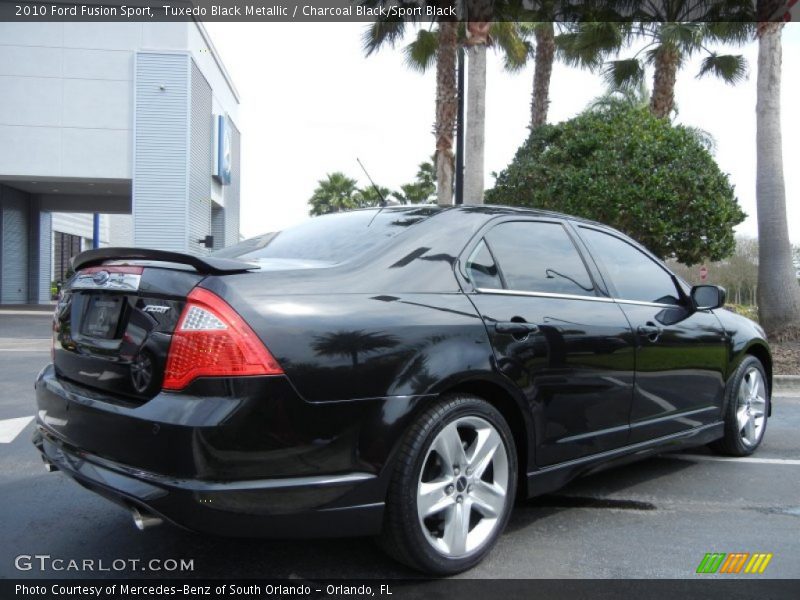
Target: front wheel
x=453 y=487
x=746 y=410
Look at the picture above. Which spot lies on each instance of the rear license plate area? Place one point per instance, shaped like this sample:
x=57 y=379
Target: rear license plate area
x=101 y=319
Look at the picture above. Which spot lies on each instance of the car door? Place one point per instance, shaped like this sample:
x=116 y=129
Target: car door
x=556 y=336
x=680 y=352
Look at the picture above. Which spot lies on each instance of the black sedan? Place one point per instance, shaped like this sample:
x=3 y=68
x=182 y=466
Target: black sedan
x=403 y=372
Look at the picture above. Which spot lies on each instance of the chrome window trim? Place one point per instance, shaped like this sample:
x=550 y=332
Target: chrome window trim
x=571 y=297
x=643 y=303
x=543 y=295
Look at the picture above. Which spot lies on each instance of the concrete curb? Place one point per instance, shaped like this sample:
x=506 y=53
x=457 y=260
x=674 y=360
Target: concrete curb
x=786 y=385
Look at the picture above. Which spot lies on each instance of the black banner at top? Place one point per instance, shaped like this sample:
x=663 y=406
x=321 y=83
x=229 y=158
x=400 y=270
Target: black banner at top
x=396 y=10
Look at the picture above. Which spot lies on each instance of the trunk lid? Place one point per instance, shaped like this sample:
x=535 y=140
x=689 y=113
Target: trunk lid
x=116 y=315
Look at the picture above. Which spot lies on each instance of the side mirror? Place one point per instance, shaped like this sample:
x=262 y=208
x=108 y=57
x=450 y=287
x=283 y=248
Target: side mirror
x=708 y=296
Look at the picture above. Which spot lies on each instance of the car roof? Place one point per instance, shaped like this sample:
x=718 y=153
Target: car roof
x=493 y=210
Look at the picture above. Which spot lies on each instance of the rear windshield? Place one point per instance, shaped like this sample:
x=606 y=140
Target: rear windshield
x=329 y=239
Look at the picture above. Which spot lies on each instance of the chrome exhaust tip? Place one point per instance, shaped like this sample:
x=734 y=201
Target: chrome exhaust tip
x=48 y=466
x=144 y=520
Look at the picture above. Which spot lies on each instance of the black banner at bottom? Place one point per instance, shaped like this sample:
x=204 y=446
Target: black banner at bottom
x=401 y=589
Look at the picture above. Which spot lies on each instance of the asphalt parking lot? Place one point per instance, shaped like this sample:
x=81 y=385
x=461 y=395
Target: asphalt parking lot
x=653 y=519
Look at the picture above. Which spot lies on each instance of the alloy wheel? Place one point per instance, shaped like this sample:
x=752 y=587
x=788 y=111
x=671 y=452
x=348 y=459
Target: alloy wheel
x=463 y=485
x=751 y=407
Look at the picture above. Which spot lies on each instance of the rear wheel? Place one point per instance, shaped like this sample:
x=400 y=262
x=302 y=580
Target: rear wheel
x=453 y=487
x=746 y=410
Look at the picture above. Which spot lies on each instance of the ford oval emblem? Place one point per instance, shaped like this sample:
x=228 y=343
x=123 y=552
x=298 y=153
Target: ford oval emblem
x=101 y=277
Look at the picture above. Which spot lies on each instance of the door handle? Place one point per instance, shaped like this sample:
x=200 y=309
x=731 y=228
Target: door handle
x=650 y=331
x=515 y=328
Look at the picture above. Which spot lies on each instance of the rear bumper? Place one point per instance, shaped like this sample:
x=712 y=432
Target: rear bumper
x=245 y=457
x=279 y=508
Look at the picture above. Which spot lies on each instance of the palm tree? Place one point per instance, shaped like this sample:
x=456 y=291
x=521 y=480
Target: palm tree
x=440 y=45
x=421 y=189
x=544 y=34
x=335 y=193
x=672 y=35
x=480 y=34
x=446 y=110
x=778 y=292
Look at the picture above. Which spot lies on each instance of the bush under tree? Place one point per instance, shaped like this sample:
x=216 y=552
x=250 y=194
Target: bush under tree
x=649 y=178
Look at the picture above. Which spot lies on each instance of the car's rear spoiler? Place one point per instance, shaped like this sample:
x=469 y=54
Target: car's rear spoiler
x=202 y=264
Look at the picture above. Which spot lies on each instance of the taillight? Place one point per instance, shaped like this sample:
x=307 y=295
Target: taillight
x=212 y=340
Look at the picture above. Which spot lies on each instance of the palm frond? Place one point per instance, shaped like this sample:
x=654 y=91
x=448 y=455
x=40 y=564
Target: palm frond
x=589 y=44
x=380 y=33
x=687 y=37
x=623 y=73
x=730 y=68
x=730 y=32
x=510 y=38
x=729 y=12
x=421 y=53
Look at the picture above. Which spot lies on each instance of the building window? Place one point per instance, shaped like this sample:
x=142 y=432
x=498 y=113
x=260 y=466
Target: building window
x=65 y=246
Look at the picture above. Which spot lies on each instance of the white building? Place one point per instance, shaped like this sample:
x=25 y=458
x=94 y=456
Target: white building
x=135 y=121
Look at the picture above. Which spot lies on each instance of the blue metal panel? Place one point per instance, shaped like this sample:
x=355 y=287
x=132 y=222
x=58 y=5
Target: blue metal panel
x=200 y=159
x=14 y=254
x=161 y=139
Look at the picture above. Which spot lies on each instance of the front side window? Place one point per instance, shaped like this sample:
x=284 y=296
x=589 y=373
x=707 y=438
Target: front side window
x=634 y=274
x=539 y=257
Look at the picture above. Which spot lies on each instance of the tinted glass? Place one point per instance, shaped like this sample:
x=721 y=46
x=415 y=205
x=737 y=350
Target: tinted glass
x=481 y=269
x=329 y=239
x=635 y=275
x=539 y=257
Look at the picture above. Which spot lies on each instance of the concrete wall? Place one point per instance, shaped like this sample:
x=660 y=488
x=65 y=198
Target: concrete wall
x=66 y=100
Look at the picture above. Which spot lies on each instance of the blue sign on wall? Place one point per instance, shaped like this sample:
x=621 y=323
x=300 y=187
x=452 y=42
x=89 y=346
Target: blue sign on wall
x=224 y=150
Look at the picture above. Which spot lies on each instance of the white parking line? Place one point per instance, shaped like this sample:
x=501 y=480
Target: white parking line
x=25 y=344
x=11 y=428
x=744 y=459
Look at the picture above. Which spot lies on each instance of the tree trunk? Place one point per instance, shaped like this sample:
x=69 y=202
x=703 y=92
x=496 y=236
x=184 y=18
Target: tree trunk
x=778 y=291
x=476 y=123
x=446 y=110
x=542 y=72
x=666 y=69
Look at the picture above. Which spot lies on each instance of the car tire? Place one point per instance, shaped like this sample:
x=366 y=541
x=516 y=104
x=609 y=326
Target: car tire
x=446 y=469
x=747 y=405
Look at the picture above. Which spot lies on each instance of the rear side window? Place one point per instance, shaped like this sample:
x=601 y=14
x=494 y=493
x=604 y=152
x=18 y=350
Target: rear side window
x=482 y=270
x=330 y=239
x=539 y=257
x=634 y=274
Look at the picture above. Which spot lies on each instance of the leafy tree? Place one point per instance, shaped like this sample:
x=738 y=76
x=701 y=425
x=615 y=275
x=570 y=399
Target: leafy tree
x=649 y=178
x=738 y=273
x=673 y=32
x=778 y=292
